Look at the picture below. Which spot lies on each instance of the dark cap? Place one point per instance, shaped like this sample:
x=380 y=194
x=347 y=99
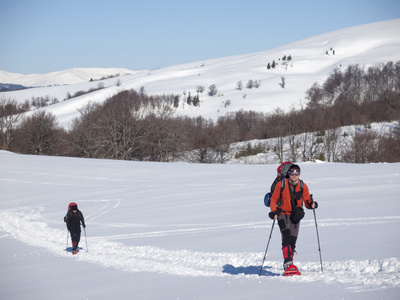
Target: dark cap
x=294 y=167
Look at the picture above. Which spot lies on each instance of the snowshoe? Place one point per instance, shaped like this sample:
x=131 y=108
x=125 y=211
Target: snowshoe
x=291 y=270
x=75 y=251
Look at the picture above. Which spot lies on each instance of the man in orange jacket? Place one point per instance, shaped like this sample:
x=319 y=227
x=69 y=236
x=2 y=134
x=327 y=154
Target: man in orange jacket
x=287 y=208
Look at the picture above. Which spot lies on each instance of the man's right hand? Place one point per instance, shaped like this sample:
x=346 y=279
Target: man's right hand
x=273 y=215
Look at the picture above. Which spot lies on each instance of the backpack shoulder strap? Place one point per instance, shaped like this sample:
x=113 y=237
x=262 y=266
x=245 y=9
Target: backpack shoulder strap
x=301 y=186
x=283 y=185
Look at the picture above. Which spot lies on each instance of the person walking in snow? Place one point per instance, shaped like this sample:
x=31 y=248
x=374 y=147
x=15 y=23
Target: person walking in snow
x=73 y=220
x=287 y=208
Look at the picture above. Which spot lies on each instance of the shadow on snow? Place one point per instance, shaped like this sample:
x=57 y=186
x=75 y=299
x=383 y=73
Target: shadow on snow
x=250 y=270
x=69 y=249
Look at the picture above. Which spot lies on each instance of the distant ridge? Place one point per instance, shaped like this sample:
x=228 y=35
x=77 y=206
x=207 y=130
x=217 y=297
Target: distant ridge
x=5 y=87
x=69 y=76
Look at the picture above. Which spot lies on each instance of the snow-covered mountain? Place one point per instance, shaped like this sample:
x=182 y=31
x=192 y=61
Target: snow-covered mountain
x=70 y=76
x=311 y=60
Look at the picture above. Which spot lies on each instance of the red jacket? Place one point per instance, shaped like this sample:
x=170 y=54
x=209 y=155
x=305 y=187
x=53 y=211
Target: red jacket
x=285 y=205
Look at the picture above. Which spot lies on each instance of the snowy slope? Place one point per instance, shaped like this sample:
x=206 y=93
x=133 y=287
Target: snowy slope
x=192 y=231
x=313 y=59
x=70 y=76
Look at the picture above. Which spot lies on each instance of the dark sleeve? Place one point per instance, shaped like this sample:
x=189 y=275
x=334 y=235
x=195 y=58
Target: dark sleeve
x=82 y=218
x=66 y=218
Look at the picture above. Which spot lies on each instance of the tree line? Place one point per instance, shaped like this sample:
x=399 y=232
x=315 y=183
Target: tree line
x=134 y=126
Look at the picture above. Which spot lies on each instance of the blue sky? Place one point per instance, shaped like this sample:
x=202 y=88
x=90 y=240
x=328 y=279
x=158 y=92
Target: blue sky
x=42 y=36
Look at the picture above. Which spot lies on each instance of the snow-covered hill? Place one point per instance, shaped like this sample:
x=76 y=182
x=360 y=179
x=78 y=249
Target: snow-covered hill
x=70 y=76
x=312 y=60
x=193 y=231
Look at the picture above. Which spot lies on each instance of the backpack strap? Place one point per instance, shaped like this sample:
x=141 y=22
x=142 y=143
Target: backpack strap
x=301 y=187
x=283 y=184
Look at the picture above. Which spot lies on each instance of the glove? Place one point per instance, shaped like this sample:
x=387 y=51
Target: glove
x=272 y=214
x=297 y=215
x=316 y=204
x=84 y=226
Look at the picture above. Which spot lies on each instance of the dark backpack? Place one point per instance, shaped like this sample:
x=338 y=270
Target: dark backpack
x=282 y=175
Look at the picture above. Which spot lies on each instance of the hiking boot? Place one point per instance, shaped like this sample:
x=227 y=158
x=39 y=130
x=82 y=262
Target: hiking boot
x=287 y=265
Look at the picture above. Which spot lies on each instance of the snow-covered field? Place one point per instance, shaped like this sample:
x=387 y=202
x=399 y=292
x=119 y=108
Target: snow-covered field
x=193 y=231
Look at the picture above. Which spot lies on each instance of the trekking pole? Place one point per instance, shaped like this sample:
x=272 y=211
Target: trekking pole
x=319 y=246
x=87 y=249
x=273 y=223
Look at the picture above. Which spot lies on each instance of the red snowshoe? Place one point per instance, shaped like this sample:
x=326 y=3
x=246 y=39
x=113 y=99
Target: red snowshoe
x=291 y=270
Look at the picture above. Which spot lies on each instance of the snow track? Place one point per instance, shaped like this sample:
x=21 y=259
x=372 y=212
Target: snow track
x=25 y=225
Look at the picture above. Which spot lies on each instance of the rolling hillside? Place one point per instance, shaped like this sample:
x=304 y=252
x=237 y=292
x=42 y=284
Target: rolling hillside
x=311 y=60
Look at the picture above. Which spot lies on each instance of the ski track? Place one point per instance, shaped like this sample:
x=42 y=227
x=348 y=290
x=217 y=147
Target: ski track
x=103 y=210
x=26 y=225
x=225 y=226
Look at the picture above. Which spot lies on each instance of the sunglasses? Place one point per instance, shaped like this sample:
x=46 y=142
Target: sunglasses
x=294 y=172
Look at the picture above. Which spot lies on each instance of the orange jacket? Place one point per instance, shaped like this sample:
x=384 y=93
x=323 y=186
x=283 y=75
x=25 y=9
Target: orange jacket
x=286 y=206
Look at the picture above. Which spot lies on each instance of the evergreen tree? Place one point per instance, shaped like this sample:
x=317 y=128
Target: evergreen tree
x=196 y=100
x=176 y=101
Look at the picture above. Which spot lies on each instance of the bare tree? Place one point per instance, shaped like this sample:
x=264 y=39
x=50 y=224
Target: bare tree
x=370 y=146
x=278 y=126
x=363 y=147
x=212 y=90
x=222 y=137
x=250 y=84
x=330 y=143
x=315 y=94
x=201 y=132
x=283 y=82
x=293 y=129
x=166 y=136
x=85 y=132
x=39 y=134
x=200 y=89
x=390 y=145
x=10 y=115
x=122 y=125
x=310 y=145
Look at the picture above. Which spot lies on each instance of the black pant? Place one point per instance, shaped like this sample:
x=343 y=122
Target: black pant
x=289 y=232
x=75 y=231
